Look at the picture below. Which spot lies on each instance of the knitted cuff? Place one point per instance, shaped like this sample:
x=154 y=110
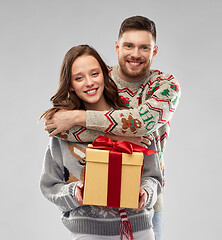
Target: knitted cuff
x=72 y=189
x=150 y=197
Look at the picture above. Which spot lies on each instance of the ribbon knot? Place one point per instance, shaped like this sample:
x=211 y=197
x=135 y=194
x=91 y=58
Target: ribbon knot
x=102 y=142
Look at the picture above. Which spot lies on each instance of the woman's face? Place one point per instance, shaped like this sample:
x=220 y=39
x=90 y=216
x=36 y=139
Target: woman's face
x=88 y=82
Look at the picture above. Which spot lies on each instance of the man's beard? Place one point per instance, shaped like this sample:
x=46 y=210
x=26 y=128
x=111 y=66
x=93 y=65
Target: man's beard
x=134 y=75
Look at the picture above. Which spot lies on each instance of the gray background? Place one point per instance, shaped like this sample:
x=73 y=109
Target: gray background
x=35 y=35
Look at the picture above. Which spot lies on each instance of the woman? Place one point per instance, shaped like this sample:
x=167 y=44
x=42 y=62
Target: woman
x=85 y=84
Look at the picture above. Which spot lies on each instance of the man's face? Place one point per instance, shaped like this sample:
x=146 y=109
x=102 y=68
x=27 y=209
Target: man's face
x=136 y=50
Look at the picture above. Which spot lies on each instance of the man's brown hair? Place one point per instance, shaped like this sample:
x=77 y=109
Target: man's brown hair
x=138 y=23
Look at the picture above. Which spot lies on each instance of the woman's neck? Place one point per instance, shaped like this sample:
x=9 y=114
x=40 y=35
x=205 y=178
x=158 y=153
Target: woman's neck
x=101 y=106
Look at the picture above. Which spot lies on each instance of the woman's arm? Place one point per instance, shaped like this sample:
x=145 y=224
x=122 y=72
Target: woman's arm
x=152 y=179
x=52 y=182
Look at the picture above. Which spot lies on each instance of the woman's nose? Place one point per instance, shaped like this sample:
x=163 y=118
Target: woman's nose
x=89 y=81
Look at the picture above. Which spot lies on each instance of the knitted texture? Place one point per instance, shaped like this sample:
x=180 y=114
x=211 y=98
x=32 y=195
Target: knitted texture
x=152 y=103
x=125 y=228
x=63 y=167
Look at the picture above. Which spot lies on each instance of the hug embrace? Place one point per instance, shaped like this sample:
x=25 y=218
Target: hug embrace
x=129 y=102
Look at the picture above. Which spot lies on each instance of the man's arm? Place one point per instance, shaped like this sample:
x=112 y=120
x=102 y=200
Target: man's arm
x=162 y=100
x=64 y=120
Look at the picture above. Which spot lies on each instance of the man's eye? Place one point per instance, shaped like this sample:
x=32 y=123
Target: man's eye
x=127 y=45
x=145 y=48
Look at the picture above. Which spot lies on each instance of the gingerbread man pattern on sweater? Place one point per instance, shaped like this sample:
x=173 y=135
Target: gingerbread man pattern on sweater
x=152 y=103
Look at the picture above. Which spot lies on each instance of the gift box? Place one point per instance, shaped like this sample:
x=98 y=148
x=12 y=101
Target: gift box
x=112 y=178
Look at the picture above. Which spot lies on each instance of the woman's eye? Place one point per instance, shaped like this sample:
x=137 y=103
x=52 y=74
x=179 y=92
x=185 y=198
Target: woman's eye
x=78 y=78
x=95 y=74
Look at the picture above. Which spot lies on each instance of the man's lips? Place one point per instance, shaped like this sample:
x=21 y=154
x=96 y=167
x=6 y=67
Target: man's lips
x=135 y=63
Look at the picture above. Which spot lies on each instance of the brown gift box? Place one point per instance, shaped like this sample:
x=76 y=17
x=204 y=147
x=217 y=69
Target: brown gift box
x=96 y=178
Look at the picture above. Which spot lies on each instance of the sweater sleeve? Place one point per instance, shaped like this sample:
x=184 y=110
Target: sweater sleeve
x=160 y=101
x=52 y=182
x=152 y=179
x=80 y=134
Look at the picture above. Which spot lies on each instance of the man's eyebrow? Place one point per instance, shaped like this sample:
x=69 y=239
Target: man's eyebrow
x=146 y=44
x=142 y=44
x=126 y=43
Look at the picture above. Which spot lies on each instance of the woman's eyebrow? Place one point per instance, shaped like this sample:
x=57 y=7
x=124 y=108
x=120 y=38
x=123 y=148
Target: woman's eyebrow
x=76 y=74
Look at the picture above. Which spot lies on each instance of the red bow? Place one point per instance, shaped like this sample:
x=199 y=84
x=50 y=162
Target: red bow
x=102 y=142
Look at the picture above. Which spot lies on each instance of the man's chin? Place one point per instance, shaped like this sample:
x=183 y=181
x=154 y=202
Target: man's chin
x=134 y=74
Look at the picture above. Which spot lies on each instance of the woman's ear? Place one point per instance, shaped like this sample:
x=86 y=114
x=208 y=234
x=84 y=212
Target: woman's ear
x=71 y=89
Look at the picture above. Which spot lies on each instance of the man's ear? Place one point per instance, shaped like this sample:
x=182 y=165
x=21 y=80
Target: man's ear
x=117 y=46
x=155 y=51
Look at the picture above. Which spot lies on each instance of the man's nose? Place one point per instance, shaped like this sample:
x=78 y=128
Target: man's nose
x=135 y=53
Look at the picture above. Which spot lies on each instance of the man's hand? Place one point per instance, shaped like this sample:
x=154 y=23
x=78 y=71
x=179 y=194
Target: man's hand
x=79 y=193
x=142 y=141
x=143 y=196
x=64 y=120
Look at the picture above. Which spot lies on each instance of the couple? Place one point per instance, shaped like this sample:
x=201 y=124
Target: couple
x=88 y=104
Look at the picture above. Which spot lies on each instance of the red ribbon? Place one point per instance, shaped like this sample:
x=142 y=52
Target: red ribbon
x=114 y=179
x=115 y=164
x=106 y=143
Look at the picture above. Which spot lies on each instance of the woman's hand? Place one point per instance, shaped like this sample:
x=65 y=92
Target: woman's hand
x=79 y=193
x=63 y=120
x=143 y=196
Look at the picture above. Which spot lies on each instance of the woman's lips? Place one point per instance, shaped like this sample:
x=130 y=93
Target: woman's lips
x=91 y=92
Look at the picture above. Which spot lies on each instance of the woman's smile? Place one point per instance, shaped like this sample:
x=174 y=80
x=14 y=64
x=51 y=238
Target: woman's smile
x=88 y=82
x=91 y=92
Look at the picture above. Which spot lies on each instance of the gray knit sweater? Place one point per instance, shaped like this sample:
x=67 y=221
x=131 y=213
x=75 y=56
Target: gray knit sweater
x=152 y=103
x=64 y=166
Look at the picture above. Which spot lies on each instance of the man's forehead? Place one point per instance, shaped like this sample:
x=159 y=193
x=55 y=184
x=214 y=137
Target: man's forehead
x=137 y=36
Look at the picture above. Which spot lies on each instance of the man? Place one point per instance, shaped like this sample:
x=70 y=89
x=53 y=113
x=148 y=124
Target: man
x=151 y=95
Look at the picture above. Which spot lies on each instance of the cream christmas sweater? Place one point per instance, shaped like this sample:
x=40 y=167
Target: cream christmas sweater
x=151 y=102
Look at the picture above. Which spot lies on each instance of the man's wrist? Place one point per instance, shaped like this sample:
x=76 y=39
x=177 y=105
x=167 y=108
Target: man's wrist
x=80 y=118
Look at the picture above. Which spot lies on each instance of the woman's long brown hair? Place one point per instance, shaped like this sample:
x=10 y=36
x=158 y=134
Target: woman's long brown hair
x=67 y=99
